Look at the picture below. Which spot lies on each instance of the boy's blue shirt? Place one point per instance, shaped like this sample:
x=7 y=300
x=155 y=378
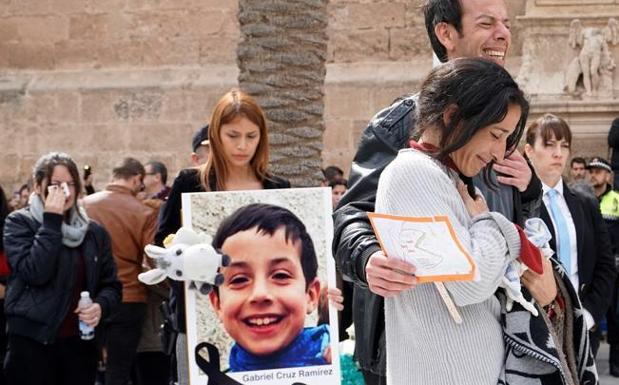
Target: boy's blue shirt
x=305 y=350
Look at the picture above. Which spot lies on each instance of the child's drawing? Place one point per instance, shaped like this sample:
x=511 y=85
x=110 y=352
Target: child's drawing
x=412 y=242
x=428 y=243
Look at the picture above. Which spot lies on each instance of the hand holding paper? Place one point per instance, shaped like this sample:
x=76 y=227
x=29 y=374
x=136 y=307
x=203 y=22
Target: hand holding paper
x=389 y=276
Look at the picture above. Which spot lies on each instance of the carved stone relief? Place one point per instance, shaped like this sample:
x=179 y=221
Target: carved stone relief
x=592 y=69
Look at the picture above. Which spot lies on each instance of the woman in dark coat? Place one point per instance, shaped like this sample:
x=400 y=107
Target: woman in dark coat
x=54 y=253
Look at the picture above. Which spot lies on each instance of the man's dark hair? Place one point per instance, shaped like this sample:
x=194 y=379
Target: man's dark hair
x=339 y=182
x=268 y=219
x=129 y=168
x=480 y=93
x=441 y=11
x=159 y=168
x=332 y=172
x=579 y=160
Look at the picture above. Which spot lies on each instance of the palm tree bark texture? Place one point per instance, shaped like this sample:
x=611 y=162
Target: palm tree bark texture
x=281 y=57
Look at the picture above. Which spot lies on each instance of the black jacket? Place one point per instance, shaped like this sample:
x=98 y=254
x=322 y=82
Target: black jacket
x=43 y=274
x=596 y=264
x=354 y=241
x=613 y=143
x=188 y=181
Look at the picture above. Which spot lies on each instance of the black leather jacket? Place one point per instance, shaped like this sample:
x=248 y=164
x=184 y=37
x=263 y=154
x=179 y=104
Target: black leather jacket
x=354 y=241
x=43 y=274
x=613 y=143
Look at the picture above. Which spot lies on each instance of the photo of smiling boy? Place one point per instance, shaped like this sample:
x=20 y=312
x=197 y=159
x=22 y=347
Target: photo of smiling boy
x=269 y=287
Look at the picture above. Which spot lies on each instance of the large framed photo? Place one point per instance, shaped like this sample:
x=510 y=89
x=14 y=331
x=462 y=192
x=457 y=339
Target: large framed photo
x=269 y=321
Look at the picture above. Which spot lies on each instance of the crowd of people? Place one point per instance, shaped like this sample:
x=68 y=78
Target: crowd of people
x=94 y=241
x=452 y=148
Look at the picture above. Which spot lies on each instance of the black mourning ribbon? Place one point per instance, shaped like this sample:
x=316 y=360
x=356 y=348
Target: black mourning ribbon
x=211 y=368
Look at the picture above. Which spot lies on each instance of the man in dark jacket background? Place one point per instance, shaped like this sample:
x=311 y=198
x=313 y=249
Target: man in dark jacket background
x=476 y=28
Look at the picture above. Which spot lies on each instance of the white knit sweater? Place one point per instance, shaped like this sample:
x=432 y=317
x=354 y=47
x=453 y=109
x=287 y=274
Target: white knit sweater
x=424 y=344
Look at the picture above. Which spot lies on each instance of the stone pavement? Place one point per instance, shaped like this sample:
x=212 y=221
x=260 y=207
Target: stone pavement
x=602 y=364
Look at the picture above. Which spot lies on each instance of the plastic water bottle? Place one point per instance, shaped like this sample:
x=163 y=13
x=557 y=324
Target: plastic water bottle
x=86 y=332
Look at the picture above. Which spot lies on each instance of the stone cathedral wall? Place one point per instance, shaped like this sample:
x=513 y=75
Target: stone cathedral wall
x=106 y=79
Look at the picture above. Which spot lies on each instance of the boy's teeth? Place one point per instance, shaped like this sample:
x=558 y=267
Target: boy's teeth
x=262 y=321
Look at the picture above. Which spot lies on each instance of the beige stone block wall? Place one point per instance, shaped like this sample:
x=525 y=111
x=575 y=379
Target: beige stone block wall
x=378 y=51
x=355 y=93
x=99 y=118
x=92 y=34
x=376 y=30
x=106 y=79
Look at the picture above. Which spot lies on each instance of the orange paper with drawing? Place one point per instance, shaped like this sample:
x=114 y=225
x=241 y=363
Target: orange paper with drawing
x=429 y=243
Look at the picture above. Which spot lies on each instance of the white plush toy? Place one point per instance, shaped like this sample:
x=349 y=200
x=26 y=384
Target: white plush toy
x=189 y=257
x=537 y=233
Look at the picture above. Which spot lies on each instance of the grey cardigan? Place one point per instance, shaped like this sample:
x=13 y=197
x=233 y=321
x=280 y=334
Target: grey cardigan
x=424 y=344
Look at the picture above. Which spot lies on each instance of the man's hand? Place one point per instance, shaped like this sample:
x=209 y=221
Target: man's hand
x=336 y=298
x=389 y=276
x=542 y=287
x=91 y=315
x=516 y=170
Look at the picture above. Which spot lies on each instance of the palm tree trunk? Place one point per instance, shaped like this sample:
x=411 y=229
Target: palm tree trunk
x=281 y=57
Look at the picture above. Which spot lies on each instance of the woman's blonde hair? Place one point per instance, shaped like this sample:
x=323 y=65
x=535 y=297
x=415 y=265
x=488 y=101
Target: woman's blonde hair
x=235 y=103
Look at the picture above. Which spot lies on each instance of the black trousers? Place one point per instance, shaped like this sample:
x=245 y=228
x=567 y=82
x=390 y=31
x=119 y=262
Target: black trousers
x=612 y=320
x=612 y=317
x=595 y=335
x=152 y=368
x=3 y=341
x=373 y=379
x=122 y=335
x=68 y=361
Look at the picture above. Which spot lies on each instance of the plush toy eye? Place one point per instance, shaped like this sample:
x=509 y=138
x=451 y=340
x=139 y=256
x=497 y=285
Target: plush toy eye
x=225 y=260
x=179 y=252
x=219 y=280
x=178 y=273
x=205 y=288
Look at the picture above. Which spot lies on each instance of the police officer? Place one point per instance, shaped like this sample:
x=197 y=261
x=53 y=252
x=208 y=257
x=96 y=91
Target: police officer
x=600 y=173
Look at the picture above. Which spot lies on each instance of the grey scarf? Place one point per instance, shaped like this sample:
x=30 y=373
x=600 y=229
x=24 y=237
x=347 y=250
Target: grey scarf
x=73 y=233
